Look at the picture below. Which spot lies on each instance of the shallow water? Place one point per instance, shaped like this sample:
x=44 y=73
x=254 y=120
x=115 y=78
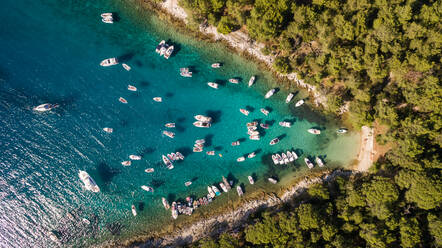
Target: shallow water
x=51 y=52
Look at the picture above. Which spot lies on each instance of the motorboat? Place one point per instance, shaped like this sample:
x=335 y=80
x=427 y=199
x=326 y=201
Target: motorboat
x=126 y=67
x=275 y=160
x=53 y=236
x=170 y=125
x=252 y=80
x=290 y=156
x=279 y=158
x=135 y=157
x=45 y=107
x=202 y=124
x=272 y=180
x=89 y=183
x=294 y=155
x=235 y=143
x=122 y=100
x=319 y=162
x=149 y=170
x=264 y=126
x=187 y=184
x=197 y=149
x=264 y=111
x=269 y=93
x=226 y=183
x=240 y=159
x=289 y=98
x=216 y=190
x=171 y=156
x=314 y=131
x=285 y=158
x=169 y=134
x=107 y=18
x=223 y=187
x=185 y=72
x=109 y=62
x=126 y=163
x=134 y=210
x=285 y=124
x=200 y=141
x=342 y=130
x=180 y=156
x=254 y=137
x=157 y=99
x=108 y=129
x=244 y=111
x=163 y=49
x=251 y=181
x=252 y=133
x=160 y=45
x=147 y=188
x=168 y=52
x=251 y=155
x=210 y=153
x=165 y=203
x=252 y=124
x=213 y=85
x=210 y=190
x=105 y=15
x=299 y=103
x=308 y=163
x=252 y=128
x=86 y=221
x=216 y=65
x=239 y=190
x=167 y=162
x=203 y=118
x=174 y=211
x=274 y=141
x=131 y=88
x=234 y=81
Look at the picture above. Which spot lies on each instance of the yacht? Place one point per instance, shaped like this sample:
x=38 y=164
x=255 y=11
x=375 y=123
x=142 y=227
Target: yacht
x=122 y=100
x=134 y=210
x=295 y=156
x=252 y=124
x=213 y=85
x=157 y=99
x=135 y=157
x=203 y=118
x=251 y=181
x=149 y=170
x=308 y=163
x=342 y=130
x=147 y=188
x=216 y=65
x=126 y=67
x=254 y=137
x=240 y=159
x=169 y=134
x=223 y=187
x=210 y=153
x=289 y=98
x=174 y=211
x=235 y=143
x=274 y=141
x=226 y=183
x=131 y=88
x=270 y=93
x=264 y=126
x=210 y=190
x=109 y=62
x=45 y=107
x=244 y=111
x=160 y=45
x=272 y=180
x=314 y=131
x=319 y=162
x=252 y=81
x=285 y=124
x=108 y=129
x=89 y=183
x=168 y=52
x=187 y=184
x=165 y=203
x=167 y=162
x=170 y=125
x=202 y=124
x=185 y=72
x=234 y=81
x=299 y=103
x=216 y=190
x=264 y=111
x=239 y=190
x=126 y=163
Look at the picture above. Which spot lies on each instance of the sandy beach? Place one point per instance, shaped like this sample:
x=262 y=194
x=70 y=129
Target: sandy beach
x=366 y=152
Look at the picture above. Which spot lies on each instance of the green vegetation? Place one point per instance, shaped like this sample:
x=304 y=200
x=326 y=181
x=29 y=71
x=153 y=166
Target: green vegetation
x=383 y=58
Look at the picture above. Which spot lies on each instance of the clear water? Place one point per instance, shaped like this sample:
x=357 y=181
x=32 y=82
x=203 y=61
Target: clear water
x=51 y=50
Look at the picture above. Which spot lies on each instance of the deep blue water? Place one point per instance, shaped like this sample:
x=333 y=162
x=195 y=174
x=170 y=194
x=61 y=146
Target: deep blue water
x=51 y=52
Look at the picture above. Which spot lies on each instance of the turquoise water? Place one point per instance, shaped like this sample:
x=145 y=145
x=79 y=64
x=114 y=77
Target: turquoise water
x=51 y=52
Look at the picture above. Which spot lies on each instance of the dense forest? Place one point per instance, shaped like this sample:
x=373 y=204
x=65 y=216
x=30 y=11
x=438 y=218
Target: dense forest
x=382 y=58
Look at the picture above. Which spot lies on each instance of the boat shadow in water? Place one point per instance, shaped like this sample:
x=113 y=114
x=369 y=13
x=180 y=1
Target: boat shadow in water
x=186 y=151
x=140 y=205
x=157 y=183
x=125 y=57
x=282 y=136
x=250 y=108
x=231 y=177
x=146 y=151
x=114 y=228
x=208 y=139
x=176 y=48
x=215 y=114
x=171 y=197
x=144 y=84
x=270 y=122
x=106 y=173
x=221 y=82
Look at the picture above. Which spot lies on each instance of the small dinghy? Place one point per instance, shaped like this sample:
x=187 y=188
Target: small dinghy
x=254 y=137
x=251 y=155
x=126 y=67
x=285 y=158
x=264 y=111
x=240 y=159
x=165 y=203
x=308 y=163
x=252 y=80
x=159 y=46
x=135 y=157
x=108 y=129
x=210 y=153
x=45 y=107
x=274 y=141
x=200 y=141
x=216 y=65
x=134 y=210
x=131 y=88
x=185 y=72
x=285 y=124
x=319 y=162
x=289 y=98
x=272 y=180
x=275 y=160
x=187 y=184
x=299 y=103
x=169 y=134
x=203 y=118
x=244 y=112
x=213 y=85
x=264 y=126
x=147 y=188
x=149 y=170
x=122 y=100
x=239 y=190
x=280 y=159
x=269 y=93
x=202 y=124
x=157 y=99
x=314 y=131
x=294 y=155
x=109 y=62
x=252 y=124
x=126 y=163
x=235 y=143
x=251 y=181
x=234 y=81
x=168 y=52
x=290 y=156
x=170 y=125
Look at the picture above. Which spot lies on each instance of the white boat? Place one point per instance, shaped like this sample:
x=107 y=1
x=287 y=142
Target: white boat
x=213 y=85
x=314 y=131
x=126 y=67
x=216 y=190
x=149 y=170
x=251 y=155
x=52 y=236
x=203 y=118
x=197 y=149
x=168 y=52
x=131 y=88
x=157 y=99
x=251 y=181
x=264 y=126
x=89 y=183
x=275 y=160
x=169 y=134
x=167 y=162
x=240 y=159
x=170 y=125
x=187 y=184
x=202 y=124
x=200 y=141
x=252 y=80
x=289 y=97
x=244 y=111
x=270 y=93
x=147 y=188
x=319 y=162
x=252 y=133
x=210 y=153
x=223 y=187
x=185 y=72
x=163 y=49
x=174 y=211
x=210 y=190
x=299 y=103
x=274 y=141
x=285 y=158
x=235 y=143
x=160 y=45
x=226 y=183
x=252 y=124
x=108 y=129
x=272 y=180
x=135 y=157
x=234 y=81
x=264 y=111
x=165 y=203
x=104 y=15
x=290 y=156
x=342 y=130
x=295 y=156
x=254 y=128
x=108 y=19
x=126 y=163
x=45 y=107
x=285 y=124
x=239 y=190
x=180 y=156
x=109 y=62
x=254 y=137
x=216 y=65
x=279 y=158
x=134 y=210
x=122 y=100
x=308 y=163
